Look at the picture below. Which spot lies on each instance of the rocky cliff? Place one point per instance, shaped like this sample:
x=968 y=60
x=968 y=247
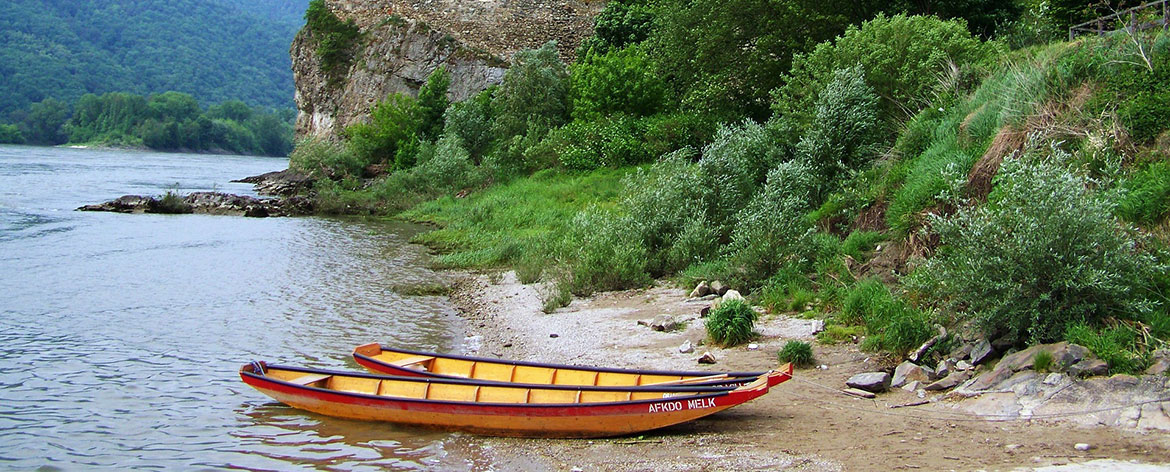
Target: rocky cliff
x=403 y=41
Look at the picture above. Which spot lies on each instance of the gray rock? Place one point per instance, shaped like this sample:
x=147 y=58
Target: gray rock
x=732 y=295
x=908 y=372
x=1003 y=344
x=1161 y=362
x=1053 y=378
x=859 y=393
x=911 y=386
x=981 y=352
x=707 y=358
x=990 y=379
x=870 y=381
x=1088 y=368
x=701 y=290
x=1123 y=380
x=686 y=347
x=718 y=288
x=1064 y=355
x=945 y=367
x=951 y=381
x=962 y=352
x=818 y=326
x=964 y=365
x=664 y=323
x=1082 y=446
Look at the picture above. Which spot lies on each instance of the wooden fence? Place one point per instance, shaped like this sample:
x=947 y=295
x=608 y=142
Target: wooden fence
x=1140 y=18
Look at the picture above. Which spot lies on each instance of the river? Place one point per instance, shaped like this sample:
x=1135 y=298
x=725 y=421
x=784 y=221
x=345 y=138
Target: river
x=121 y=334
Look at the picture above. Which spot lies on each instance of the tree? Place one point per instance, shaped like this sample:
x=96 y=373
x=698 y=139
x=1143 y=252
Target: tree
x=432 y=98
x=173 y=106
x=45 y=122
x=617 y=81
x=533 y=94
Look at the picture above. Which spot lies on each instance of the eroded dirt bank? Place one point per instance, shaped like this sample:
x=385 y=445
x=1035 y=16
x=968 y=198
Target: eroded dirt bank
x=802 y=425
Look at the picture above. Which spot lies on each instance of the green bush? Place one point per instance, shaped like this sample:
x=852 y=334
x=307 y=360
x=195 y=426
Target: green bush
x=606 y=255
x=902 y=57
x=860 y=242
x=10 y=134
x=619 y=24
x=890 y=323
x=844 y=134
x=666 y=133
x=534 y=92
x=471 y=120
x=1117 y=346
x=586 y=145
x=619 y=81
x=324 y=158
x=433 y=102
x=336 y=39
x=446 y=169
x=734 y=167
x=171 y=202
x=1146 y=199
x=1042 y=361
x=394 y=124
x=731 y=323
x=771 y=230
x=799 y=353
x=1044 y=252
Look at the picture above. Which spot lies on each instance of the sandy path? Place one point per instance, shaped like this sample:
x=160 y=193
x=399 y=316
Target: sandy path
x=801 y=425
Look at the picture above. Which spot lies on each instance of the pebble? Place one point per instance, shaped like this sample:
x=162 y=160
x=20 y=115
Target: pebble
x=1082 y=446
x=686 y=347
x=707 y=358
x=554 y=335
x=753 y=346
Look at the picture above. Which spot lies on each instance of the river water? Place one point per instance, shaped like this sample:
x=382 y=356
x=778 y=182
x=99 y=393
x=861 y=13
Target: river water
x=120 y=335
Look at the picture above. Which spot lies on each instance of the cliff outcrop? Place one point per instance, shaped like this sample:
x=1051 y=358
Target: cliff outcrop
x=403 y=41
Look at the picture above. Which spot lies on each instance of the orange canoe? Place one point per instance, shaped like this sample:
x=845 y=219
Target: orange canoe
x=383 y=360
x=497 y=408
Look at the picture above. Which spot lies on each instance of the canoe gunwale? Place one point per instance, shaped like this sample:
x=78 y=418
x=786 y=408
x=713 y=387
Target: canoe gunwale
x=610 y=370
x=294 y=387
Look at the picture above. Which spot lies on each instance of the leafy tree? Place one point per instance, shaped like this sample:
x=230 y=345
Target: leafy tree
x=844 y=134
x=432 y=98
x=45 y=122
x=620 y=23
x=534 y=92
x=173 y=106
x=234 y=110
x=10 y=134
x=617 y=81
x=394 y=123
x=471 y=120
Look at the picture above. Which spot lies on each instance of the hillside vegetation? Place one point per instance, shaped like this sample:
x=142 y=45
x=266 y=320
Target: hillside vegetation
x=214 y=50
x=896 y=172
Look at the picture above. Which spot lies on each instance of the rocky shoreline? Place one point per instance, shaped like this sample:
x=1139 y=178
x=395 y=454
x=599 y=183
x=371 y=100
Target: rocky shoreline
x=284 y=186
x=1026 y=419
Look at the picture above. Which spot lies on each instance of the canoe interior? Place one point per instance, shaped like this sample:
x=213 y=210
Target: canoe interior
x=418 y=389
x=482 y=369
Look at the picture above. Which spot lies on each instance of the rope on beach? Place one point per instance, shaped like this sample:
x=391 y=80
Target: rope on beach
x=962 y=416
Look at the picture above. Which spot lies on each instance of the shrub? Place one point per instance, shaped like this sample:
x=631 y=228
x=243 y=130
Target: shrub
x=663 y=213
x=799 y=353
x=860 y=242
x=324 y=158
x=433 y=102
x=619 y=24
x=449 y=168
x=10 y=134
x=1117 y=346
x=336 y=39
x=902 y=57
x=844 y=134
x=555 y=295
x=607 y=256
x=1044 y=252
x=171 y=202
x=1146 y=199
x=534 y=92
x=890 y=324
x=734 y=166
x=1042 y=361
x=394 y=123
x=587 y=145
x=666 y=133
x=616 y=81
x=731 y=323
x=772 y=231
x=471 y=120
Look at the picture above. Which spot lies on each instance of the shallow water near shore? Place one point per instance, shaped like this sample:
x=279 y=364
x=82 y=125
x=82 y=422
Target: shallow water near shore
x=122 y=334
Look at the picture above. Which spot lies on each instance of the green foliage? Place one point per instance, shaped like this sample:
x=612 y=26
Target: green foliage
x=902 y=58
x=557 y=295
x=471 y=120
x=844 y=134
x=890 y=323
x=1045 y=252
x=213 y=51
x=336 y=40
x=799 y=353
x=1146 y=197
x=1036 y=25
x=1042 y=361
x=432 y=99
x=735 y=166
x=619 y=24
x=394 y=123
x=619 y=81
x=731 y=323
x=172 y=203
x=771 y=231
x=612 y=142
x=44 y=122
x=10 y=134
x=449 y=167
x=534 y=93
x=860 y=242
x=323 y=158
x=1117 y=346
x=608 y=257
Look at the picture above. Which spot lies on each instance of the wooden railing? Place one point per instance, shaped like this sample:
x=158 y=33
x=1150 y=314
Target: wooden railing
x=1130 y=19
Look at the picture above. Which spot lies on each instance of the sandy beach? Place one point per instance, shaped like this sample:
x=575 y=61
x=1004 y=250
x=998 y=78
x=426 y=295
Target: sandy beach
x=805 y=424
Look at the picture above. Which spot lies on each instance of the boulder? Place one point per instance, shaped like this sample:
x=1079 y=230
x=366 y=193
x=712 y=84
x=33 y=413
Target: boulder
x=718 y=288
x=981 y=352
x=945 y=367
x=1088 y=368
x=962 y=351
x=664 y=323
x=1161 y=362
x=732 y=295
x=912 y=386
x=990 y=379
x=908 y=372
x=951 y=381
x=964 y=365
x=870 y=381
x=707 y=358
x=1064 y=355
x=701 y=290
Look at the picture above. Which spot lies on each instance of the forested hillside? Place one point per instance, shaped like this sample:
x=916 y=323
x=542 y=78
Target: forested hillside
x=214 y=50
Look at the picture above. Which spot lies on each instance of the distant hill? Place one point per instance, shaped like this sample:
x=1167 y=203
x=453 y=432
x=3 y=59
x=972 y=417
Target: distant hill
x=215 y=50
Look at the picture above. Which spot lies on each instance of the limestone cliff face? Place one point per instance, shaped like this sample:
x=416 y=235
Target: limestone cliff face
x=403 y=41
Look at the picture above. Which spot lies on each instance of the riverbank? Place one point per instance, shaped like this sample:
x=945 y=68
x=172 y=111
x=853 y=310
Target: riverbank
x=804 y=424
